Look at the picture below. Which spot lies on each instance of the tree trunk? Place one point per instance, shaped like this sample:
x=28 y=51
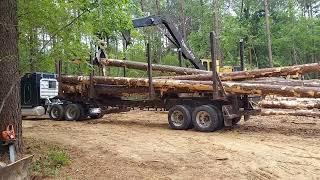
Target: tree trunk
x=307 y=113
x=142 y=5
x=199 y=86
x=183 y=19
x=32 y=49
x=10 y=112
x=267 y=15
x=259 y=73
x=216 y=27
x=158 y=7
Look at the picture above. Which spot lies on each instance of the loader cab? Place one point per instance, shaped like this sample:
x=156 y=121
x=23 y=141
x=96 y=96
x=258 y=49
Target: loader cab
x=36 y=89
x=207 y=63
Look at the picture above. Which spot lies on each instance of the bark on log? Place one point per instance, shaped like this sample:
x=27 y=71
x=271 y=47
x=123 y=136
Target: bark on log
x=259 y=73
x=303 y=100
x=201 y=86
x=290 y=104
x=286 y=82
x=160 y=84
x=307 y=113
x=155 y=67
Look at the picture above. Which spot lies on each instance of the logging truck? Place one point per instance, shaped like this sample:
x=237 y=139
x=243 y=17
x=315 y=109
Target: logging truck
x=194 y=97
x=203 y=105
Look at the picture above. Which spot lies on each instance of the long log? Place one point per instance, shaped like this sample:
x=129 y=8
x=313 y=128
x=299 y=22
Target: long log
x=155 y=67
x=259 y=73
x=307 y=113
x=290 y=104
x=201 y=86
x=286 y=82
x=303 y=100
x=160 y=84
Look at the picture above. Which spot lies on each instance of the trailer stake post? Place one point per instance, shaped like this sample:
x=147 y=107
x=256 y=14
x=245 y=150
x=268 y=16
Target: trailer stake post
x=91 y=90
x=213 y=43
x=59 y=77
x=180 y=57
x=125 y=58
x=151 y=89
x=241 y=55
x=245 y=98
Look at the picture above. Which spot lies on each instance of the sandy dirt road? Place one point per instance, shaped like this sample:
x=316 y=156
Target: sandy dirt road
x=139 y=144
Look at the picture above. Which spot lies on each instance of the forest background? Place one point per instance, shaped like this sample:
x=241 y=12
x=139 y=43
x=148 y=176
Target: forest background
x=53 y=30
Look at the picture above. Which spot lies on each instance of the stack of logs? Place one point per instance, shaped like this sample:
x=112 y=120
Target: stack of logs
x=261 y=82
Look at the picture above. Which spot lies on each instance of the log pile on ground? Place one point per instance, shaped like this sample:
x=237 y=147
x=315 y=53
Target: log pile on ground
x=262 y=82
x=309 y=107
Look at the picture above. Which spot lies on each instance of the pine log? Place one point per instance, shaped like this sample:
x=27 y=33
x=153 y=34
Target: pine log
x=303 y=100
x=160 y=84
x=290 y=104
x=259 y=73
x=201 y=86
x=286 y=82
x=155 y=67
x=307 y=113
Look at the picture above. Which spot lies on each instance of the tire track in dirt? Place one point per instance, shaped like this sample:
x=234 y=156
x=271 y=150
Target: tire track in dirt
x=143 y=141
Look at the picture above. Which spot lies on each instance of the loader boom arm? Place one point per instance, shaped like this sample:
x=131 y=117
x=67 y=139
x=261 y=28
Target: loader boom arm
x=174 y=36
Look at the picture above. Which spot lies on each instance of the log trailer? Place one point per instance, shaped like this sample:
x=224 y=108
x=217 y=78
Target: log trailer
x=205 y=109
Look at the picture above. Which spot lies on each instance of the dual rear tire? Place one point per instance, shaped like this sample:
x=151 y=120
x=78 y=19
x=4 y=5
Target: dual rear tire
x=70 y=112
x=205 y=118
x=74 y=112
x=179 y=117
x=56 y=112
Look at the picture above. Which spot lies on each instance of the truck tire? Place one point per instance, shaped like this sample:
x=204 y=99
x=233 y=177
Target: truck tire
x=56 y=112
x=74 y=112
x=207 y=118
x=179 y=117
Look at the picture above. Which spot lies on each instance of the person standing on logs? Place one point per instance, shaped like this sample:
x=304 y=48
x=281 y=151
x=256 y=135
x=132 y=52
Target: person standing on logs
x=100 y=56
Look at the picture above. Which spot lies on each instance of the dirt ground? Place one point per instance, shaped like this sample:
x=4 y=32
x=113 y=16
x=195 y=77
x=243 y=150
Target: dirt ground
x=140 y=145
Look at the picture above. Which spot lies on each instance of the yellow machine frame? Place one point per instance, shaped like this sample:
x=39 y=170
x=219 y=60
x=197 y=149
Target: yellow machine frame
x=207 y=63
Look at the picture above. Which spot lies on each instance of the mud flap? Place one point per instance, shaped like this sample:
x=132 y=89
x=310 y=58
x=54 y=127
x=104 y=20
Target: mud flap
x=228 y=115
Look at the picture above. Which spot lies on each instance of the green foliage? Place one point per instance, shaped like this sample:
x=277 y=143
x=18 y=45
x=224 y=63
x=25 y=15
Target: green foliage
x=50 y=164
x=69 y=30
x=66 y=30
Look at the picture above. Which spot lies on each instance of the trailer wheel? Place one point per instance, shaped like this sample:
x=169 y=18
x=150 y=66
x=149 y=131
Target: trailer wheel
x=56 y=112
x=179 y=117
x=74 y=112
x=207 y=118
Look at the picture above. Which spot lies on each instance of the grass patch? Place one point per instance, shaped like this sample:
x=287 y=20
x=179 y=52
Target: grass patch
x=50 y=164
x=48 y=158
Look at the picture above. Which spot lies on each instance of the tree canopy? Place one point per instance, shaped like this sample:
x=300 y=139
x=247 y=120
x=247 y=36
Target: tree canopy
x=67 y=30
